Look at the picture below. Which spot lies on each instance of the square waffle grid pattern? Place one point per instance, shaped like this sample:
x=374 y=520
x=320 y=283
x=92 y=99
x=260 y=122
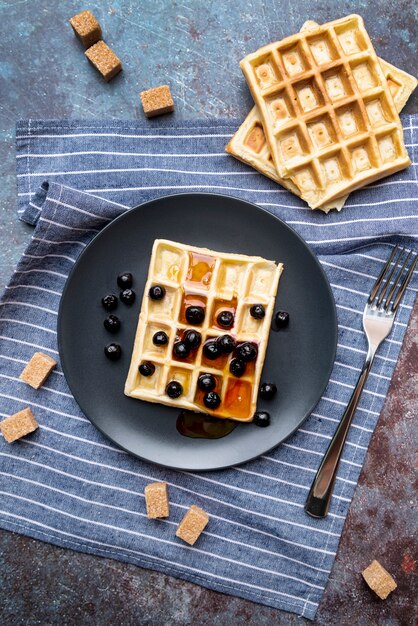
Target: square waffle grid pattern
x=327 y=110
x=216 y=281
x=249 y=144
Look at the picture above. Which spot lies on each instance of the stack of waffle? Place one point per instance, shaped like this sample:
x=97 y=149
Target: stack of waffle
x=326 y=116
x=215 y=282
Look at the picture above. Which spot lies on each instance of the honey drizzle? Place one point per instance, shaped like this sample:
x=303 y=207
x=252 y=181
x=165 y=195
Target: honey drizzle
x=200 y=269
x=191 y=299
x=201 y=426
x=238 y=398
x=223 y=305
x=238 y=394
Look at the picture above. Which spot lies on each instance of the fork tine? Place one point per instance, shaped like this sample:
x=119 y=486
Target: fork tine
x=404 y=285
x=379 y=280
x=389 y=278
x=396 y=281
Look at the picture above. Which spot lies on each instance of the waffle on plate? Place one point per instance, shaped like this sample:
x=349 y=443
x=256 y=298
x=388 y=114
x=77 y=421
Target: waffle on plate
x=210 y=293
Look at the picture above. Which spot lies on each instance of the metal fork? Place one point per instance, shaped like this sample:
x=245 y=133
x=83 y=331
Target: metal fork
x=378 y=317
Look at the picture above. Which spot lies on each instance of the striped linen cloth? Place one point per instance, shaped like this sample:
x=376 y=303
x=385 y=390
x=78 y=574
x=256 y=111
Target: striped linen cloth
x=67 y=484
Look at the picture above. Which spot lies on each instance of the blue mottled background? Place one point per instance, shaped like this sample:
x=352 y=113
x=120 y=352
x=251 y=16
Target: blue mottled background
x=195 y=46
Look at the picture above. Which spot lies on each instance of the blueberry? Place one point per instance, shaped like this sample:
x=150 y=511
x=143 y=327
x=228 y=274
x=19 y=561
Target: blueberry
x=113 y=351
x=261 y=418
x=125 y=280
x=157 y=292
x=237 y=367
x=257 y=311
x=146 y=368
x=282 y=319
x=174 y=389
x=226 y=343
x=192 y=338
x=110 y=302
x=127 y=296
x=112 y=323
x=181 y=350
x=211 y=400
x=225 y=319
x=195 y=314
x=206 y=382
x=268 y=390
x=160 y=338
x=247 y=352
x=211 y=350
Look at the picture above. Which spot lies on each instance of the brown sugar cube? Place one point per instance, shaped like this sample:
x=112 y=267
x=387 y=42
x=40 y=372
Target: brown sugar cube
x=38 y=369
x=156 y=500
x=18 y=425
x=86 y=28
x=192 y=524
x=379 y=580
x=157 y=101
x=104 y=60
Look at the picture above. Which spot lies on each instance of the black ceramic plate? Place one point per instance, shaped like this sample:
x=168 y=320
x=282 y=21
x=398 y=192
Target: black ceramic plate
x=299 y=359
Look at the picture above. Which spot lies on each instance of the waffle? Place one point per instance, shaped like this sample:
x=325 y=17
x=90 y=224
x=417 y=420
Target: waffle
x=217 y=282
x=327 y=110
x=249 y=143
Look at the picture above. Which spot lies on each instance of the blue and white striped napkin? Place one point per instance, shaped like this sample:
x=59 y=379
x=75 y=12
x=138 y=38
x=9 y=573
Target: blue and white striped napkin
x=67 y=484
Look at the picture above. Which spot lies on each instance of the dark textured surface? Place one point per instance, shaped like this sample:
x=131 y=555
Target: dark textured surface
x=196 y=46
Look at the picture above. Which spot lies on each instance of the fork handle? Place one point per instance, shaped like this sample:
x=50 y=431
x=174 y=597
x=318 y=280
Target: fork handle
x=319 y=497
